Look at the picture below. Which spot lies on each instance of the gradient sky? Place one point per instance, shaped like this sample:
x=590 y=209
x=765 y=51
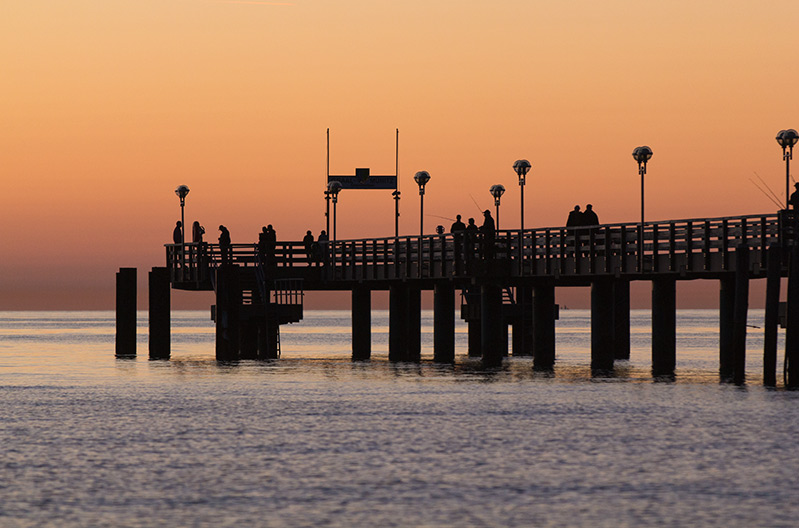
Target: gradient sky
x=108 y=105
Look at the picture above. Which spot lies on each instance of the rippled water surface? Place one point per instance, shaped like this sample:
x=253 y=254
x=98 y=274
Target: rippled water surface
x=314 y=439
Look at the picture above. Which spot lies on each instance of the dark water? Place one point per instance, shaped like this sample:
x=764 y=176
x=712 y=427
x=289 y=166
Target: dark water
x=316 y=440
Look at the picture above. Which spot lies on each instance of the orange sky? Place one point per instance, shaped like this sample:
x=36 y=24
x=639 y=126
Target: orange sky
x=108 y=105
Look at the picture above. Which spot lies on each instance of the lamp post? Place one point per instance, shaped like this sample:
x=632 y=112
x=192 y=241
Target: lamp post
x=421 y=178
x=497 y=191
x=787 y=139
x=333 y=188
x=521 y=167
x=641 y=155
x=182 y=191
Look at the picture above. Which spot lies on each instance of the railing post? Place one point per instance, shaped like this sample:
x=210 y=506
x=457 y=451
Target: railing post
x=689 y=245
x=707 y=245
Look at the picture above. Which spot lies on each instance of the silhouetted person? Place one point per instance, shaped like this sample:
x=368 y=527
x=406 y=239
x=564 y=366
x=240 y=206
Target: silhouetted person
x=308 y=242
x=177 y=234
x=271 y=244
x=458 y=231
x=323 y=240
x=458 y=226
x=575 y=217
x=197 y=232
x=589 y=216
x=262 y=244
x=472 y=232
x=793 y=201
x=489 y=232
x=225 y=249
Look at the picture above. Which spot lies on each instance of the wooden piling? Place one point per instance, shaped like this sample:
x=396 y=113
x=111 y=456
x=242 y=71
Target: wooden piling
x=361 y=323
x=770 y=332
x=414 y=338
x=740 y=313
x=491 y=331
x=792 y=324
x=398 y=322
x=602 y=327
x=444 y=323
x=248 y=339
x=726 y=327
x=228 y=306
x=664 y=327
x=159 y=313
x=544 y=326
x=523 y=333
x=126 y=312
x=475 y=338
x=621 y=319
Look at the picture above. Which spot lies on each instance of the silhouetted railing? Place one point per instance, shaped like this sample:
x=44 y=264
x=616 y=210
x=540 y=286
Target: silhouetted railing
x=678 y=246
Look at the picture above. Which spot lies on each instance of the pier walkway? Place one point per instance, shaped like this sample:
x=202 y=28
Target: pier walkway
x=508 y=283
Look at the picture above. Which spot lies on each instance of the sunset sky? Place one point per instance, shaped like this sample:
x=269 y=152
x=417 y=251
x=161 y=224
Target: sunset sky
x=108 y=105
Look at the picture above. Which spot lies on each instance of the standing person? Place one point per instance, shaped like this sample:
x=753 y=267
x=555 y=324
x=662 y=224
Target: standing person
x=489 y=232
x=323 y=240
x=575 y=217
x=794 y=199
x=589 y=216
x=177 y=233
x=197 y=232
x=225 y=247
x=471 y=234
x=458 y=230
x=262 y=243
x=271 y=244
x=308 y=242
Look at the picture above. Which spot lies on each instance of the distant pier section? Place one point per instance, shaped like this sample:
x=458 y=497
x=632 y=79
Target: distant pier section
x=509 y=282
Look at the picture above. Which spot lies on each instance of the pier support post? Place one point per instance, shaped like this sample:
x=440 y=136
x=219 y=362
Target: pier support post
x=361 y=323
x=726 y=327
x=523 y=333
x=664 y=327
x=491 y=331
x=398 y=323
x=159 y=313
x=792 y=323
x=602 y=328
x=773 y=265
x=475 y=338
x=740 y=313
x=228 y=304
x=126 y=312
x=248 y=339
x=544 y=326
x=444 y=323
x=414 y=338
x=621 y=319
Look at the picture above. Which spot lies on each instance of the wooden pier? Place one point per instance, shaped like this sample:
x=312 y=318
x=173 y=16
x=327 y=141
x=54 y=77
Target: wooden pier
x=510 y=283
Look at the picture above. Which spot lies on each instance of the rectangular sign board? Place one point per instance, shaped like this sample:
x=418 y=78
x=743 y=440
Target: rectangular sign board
x=364 y=180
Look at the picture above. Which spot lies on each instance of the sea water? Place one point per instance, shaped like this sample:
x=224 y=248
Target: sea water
x=314 y=439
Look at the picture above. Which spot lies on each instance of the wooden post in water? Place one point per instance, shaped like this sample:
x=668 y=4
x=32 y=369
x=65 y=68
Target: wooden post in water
x=159 y=312
x=544 y=326
x=361 y=323
x=523 y=333
x=774 y=263
x=726 y=327
x=664 y=326
x=792 y=326
x=602 y=327
x=126 y=312
x=491 y=330
x=740 y=312
x=248 y=338
x=398 y=322
x=228 y=305
x=621 y=319
x=444 y=323
x=414 y=339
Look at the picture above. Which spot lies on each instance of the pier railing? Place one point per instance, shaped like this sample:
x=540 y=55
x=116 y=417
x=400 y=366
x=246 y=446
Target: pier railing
x=693 y=246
